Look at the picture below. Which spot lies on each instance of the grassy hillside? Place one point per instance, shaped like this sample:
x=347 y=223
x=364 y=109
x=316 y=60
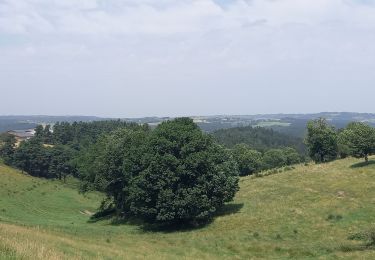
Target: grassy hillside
x=308 y=212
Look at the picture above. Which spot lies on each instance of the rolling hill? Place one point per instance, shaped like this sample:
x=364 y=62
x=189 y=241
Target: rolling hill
x=307 y=212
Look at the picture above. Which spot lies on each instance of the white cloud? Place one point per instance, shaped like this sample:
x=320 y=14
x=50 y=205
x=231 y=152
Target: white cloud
x=171 y=16
x=212 y=49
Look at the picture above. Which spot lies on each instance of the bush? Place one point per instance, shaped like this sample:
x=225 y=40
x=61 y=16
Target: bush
x=367 y=236
x=334 y=217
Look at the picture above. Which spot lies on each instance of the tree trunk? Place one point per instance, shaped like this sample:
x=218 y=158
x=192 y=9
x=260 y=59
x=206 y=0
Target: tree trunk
x=366 y=158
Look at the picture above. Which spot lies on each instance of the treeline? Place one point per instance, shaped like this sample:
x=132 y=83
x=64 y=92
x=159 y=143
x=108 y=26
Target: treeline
x=325 y=143
x=79 y=133
x=57 y=153
x=251 y=161
x=53 y=154
x=256 y=149
x=258 y=138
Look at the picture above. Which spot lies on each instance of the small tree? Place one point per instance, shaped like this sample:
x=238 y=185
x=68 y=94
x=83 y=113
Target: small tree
x=321 y=140
x=360 y=138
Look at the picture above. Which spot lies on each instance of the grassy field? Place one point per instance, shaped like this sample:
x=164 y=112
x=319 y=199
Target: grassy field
x=305 y=213
x=272 y=123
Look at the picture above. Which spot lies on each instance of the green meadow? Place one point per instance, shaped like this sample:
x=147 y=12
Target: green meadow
x=308 y=212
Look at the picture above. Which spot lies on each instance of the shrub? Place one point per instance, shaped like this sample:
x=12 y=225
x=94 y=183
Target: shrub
x=334 y=217
x=368 y=237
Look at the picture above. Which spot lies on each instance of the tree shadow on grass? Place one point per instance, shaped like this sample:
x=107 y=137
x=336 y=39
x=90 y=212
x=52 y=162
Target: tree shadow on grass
x=362 y=164
x=366 y=237
x=106 y=214
x=356 y=248
x=227 y=209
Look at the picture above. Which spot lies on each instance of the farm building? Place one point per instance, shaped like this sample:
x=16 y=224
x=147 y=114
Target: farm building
x=22 y=135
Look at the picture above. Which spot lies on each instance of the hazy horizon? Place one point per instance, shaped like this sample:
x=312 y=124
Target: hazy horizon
x=202 y=115
x=126 y=59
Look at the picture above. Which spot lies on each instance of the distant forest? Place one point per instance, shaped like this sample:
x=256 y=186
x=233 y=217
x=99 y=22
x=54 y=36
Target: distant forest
x=258 y=138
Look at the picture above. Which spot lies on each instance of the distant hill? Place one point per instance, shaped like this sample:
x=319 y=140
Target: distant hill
x=258 y=138
x=290 y=124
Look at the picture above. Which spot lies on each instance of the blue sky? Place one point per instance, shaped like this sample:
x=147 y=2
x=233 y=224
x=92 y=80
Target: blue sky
x=126 y=58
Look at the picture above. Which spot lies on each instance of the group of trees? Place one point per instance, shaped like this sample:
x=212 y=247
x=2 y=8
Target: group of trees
x=39 y=160
x=259 y=138
x=325 y=143
x=251 y=161
x=172 y=174
x=53 y=154
x=79 y=134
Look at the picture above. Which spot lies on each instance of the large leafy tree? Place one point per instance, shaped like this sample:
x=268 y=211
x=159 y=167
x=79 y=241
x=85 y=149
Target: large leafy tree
x=187 y=177
x=321 y=140
x=360 y=138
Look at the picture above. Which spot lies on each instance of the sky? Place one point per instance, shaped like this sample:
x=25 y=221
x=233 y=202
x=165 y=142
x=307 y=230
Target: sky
x=135 y=58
